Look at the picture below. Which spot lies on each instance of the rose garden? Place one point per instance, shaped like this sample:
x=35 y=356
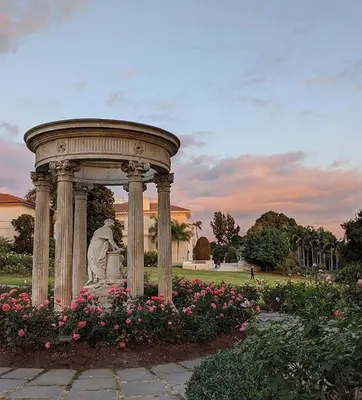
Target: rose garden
x=296 y=338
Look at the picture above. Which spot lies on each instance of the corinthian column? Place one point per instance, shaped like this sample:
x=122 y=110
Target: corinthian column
x=64 y=171
x=80 y=237
x=164 y=240
x=42 y=184
x=135 y=247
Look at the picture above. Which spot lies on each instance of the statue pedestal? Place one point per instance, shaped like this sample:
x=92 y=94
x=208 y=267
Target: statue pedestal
x=113 y=278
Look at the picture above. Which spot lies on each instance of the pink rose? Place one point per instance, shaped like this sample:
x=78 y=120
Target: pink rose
x=5 y=307
x=122 y=345
x=76 y=336
x=21 y=332
x=116 y=327
x=139 y=308
x=73 y=306
x=47 y=345
x=129 y=312
x=103 y=323
x=213 y=305
x=139 y=320
x=82 y=324
x=128 y=321
x=243 y=326
x=58 y=300
x=359 y=281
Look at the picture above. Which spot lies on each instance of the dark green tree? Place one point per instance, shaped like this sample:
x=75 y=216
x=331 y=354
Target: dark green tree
x=352 y=251
x=99 y=208
x=202 y=249
x=219 y=227
x=225 y=230
x=272 y=219
x=24 y=225
x=268 y=248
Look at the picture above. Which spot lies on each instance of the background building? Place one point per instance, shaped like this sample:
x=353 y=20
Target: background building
x=11 y=207
x=150 y=207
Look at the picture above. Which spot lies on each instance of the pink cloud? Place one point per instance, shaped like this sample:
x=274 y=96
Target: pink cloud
x=248 y=186
x=20 y=19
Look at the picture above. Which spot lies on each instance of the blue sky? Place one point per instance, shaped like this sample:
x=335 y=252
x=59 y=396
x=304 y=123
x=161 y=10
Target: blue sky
x=255 y=77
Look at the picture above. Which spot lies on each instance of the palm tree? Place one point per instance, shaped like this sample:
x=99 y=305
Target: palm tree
x=180 y=232
x=198 y=226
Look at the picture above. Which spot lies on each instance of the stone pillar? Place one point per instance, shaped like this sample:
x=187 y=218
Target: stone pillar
x=42 y=183
x=164 y=239
x=64 y=171
x=80 y=237
x=135 y=247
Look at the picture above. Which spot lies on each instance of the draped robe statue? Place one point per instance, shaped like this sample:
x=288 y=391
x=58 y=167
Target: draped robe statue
x=97 y=252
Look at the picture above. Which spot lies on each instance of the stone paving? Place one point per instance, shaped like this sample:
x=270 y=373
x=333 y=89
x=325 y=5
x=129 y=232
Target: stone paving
x=162 y=382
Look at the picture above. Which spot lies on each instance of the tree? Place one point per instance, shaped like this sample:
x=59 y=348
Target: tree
x=99 y=208
x=352 y=250
x=202 y=249
x=198 y=226
x=268 y=248
x=219 y=227
x=24 y=225
x=224 y=229
x=272 y=219
x=180 y=232
x=232 y=231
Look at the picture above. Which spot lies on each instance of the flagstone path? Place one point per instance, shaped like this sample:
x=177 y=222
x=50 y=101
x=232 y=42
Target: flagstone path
x=162 y=382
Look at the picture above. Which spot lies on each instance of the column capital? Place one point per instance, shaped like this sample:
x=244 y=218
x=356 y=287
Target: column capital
x=41 y=180
x=80 y=190
x=64 y=169
x=135 y=169
x=163 y=181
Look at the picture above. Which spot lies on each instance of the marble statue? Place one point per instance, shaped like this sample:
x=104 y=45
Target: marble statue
x=101 y=241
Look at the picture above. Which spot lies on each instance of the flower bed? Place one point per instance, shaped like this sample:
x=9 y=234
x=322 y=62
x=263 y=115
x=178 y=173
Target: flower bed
x=199 y=312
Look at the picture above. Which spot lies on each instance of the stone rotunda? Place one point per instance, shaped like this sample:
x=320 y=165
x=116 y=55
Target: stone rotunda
x=82 y=152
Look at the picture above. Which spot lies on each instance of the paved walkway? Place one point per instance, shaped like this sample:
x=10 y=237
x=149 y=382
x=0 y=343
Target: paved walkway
x=162 y=382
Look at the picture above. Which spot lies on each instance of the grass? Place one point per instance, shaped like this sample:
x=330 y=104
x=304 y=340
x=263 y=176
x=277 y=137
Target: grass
x=236 y=278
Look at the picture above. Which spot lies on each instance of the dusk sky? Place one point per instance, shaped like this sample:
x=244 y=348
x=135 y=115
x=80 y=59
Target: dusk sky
x=266 y=95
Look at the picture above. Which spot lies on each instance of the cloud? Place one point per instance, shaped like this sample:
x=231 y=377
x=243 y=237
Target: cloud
x=254 y=101
x=351 y=76
x=16 y=162
x=22 y=18
x=250 y=185
x=9 y=131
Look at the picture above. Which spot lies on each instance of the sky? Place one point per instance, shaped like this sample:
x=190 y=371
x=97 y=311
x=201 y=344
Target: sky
x=265 y=95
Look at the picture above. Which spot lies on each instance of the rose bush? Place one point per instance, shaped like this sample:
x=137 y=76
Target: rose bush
x=198 y=312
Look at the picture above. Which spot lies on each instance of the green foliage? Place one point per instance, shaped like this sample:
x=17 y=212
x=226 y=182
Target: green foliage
x=24 y=225
x=349 y=274
x=223 y=376
x=202 y=249
x=219 y=252
x=99 y=208
x=16 y=264
x=272 y=219
x=6 y=245
x=150 y=258
x=268 y=248
x=306 y=359
x=353 y=236
x=224 y=229
x=231 y=255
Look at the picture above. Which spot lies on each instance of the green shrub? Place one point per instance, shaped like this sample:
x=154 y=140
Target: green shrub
x=19 y=264
x=203 y=250
x=349 y=274
x=231 y=255
x=150 y=258
x=223 y=376
x=305 y=359
x=6 y=245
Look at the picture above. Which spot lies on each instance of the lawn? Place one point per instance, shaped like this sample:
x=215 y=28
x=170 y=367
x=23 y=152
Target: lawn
x=237 y=278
